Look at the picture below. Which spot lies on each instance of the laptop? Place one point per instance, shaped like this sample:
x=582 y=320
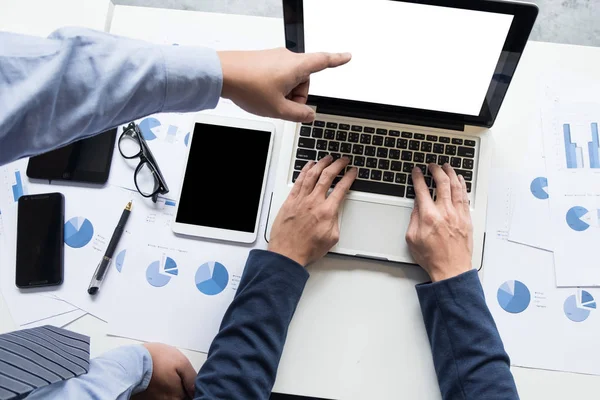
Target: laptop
x=425 y=84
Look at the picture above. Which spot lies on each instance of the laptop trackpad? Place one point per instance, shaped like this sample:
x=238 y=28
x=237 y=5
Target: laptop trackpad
x=373 y=229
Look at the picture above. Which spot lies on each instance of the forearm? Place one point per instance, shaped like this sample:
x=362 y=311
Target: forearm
x=80 y=82
x=117 y=374
x=468 y=354
x=243 y=358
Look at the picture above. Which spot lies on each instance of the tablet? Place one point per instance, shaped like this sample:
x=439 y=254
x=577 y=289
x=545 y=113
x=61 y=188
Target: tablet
x=87 y=160
x=224 y=179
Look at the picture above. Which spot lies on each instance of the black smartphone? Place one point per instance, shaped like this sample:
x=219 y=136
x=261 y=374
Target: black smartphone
x=40 y=245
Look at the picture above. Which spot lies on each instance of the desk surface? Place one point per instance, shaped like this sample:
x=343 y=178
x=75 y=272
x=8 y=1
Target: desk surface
x=358 y=332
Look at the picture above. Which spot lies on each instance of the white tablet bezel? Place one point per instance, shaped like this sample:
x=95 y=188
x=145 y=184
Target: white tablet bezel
x=218 y=233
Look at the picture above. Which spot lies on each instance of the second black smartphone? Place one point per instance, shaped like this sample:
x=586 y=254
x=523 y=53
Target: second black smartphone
x=40 y=240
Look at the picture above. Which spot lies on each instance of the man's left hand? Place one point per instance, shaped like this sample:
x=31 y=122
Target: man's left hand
x=172 y=374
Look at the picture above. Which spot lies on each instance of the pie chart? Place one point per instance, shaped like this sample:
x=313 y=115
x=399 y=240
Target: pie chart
x=539 y=188
x=159 y=273
x=120 y=260
x=578 y=307
x=513 y=296
x=186 y=139
x=574 y=219
x=147 y=125
x=78 y=232
x=211 y=278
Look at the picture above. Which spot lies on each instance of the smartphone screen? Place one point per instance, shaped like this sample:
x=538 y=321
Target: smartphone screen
x=40 y=240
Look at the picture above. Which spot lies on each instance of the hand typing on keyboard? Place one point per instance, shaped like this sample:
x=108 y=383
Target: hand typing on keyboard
x=440 y=233
x=306 y=227
x=274 y=83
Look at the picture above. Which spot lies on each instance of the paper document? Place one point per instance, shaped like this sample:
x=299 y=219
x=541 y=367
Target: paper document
x=572 y=147
x=542 y=326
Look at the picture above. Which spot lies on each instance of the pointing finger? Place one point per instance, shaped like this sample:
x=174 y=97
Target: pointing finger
x=340 y=191
x=442 y=184
x=315 y=62
x=423 y=198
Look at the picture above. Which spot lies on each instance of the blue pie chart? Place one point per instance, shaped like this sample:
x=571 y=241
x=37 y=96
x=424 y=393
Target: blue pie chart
x=78 y=232
x=158 y=278
x=513 y=296
x=539 y=188
x=574 y=219
x=211 y=278
x=147 y=125
x=120 y=260
x=579 y=311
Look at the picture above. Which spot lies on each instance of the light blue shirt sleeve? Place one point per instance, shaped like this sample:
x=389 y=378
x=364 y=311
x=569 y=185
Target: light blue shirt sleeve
x=117 y=374
x=79 y=82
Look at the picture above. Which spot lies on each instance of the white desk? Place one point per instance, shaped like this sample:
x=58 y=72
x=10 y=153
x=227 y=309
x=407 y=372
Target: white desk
x=358 y=332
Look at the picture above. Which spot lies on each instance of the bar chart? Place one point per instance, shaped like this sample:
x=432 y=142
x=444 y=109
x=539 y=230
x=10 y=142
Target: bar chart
x=594 y=147
x=574 y=153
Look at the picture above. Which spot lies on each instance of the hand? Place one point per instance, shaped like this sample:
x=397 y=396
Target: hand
x=172 y=374
x=274 y=83
x=440 y=233
x=306 y=227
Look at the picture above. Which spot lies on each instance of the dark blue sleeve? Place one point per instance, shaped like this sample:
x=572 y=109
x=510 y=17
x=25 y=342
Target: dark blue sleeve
x=243 y=358
x=468 y=354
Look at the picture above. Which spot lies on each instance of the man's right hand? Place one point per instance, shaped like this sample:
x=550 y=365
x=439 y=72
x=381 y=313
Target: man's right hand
x=306 y=227
x=440 y=233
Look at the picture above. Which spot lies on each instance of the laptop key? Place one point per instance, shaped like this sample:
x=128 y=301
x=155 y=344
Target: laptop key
x=443 y=160
x=329 y=134
x=378 y=188
x=372 y=162
x=365 y=138
x=455 y=162
x=396 y=166
x=444 y=139
x=394 y=154
x=388 y=176
x=364 y=173
x=295 y=175
x=370 y=151
x=375 y=175
x=320 y=124
x=344 y=127
x=390 y=142
x=382 y=152
x=383 y=164
x=414 y=145
x=407 y=135
x=305 y=131
x=432 y=138
x=322 y=154
x=358 y=149
x=410 y=192
x=381 y=131
x=457 y=141
x=402 y=144
x=470 y=143
x=317 y=133
x=321 y=144
x=377 y=141
x=307 y=123
x=332 y=125
x=406 y=156
x=334 y=146
x=419 y=157
x=336 y=156
x=306 y=143
x=341 y=136
x=467 y=163
x=357 y=128
x=369 y=129
x=426 y=147
x=430 y=158
x=419 y=136
x=423 y=168
x=468 y=187
x=438 y=148
x=359 y=161
x=400 y=178
x=450 y=150
x=408 y=167
x=395 y=133
x=299 y=164
x=353 y=137
x=466 y=152
x=468 y=175
x=304 y=154
x=346 y=148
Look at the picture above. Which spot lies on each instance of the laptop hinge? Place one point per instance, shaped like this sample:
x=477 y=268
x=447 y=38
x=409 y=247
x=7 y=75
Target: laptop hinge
x=388 y=117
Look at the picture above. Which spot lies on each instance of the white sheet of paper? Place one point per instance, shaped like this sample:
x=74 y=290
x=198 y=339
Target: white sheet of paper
x=59 y=321
x=542 y=326
x=573 y=165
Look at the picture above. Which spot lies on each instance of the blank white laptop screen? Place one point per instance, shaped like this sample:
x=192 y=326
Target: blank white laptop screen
x=404 y=54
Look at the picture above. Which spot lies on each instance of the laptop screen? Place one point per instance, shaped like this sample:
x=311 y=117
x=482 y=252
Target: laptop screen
x=406 y=54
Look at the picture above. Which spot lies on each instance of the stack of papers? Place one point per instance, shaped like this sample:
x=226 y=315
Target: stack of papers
x=541 y=271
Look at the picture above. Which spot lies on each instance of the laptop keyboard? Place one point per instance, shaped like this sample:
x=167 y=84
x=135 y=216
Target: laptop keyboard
x=384 y=158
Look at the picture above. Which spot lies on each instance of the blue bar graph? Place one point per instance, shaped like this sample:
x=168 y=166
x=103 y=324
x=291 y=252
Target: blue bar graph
x=17 y=188
x=594 y=147
x=573 y=153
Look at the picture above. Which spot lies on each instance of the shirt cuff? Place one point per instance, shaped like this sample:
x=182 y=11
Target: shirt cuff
x=278 y=265
x=450 y=289
x=194 y=78
x=135 y=360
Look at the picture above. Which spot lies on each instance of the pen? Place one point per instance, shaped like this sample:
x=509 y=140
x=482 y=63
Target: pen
x=107 y=258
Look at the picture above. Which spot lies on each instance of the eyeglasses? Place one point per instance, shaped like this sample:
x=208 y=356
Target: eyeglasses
x=148 y=179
